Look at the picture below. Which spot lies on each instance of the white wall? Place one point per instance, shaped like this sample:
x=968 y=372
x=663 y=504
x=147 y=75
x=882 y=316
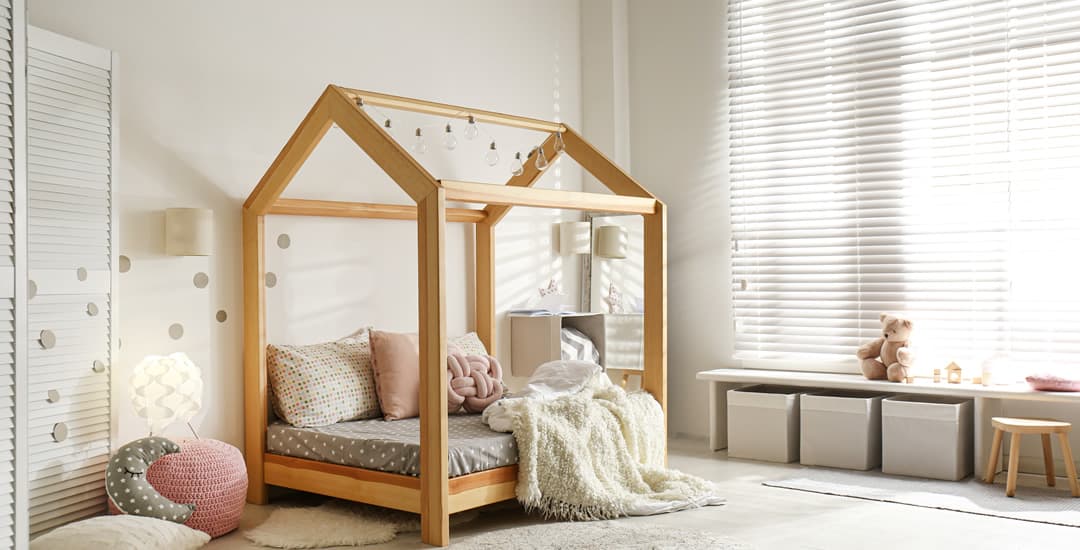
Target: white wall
x=209 y=91
x=677 y=139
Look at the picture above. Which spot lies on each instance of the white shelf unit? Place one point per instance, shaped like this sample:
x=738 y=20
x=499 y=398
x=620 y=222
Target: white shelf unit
x=535 y=340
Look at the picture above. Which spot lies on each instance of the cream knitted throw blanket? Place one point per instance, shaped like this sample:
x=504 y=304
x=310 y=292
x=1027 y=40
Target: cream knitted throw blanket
x=599 y=454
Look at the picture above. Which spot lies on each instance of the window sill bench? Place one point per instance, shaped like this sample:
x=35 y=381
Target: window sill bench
x=988 y=399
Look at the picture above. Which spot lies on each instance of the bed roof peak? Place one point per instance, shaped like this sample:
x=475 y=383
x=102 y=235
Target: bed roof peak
x=343 y=107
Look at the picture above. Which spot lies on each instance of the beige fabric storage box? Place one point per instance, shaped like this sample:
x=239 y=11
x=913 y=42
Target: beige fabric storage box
x=763 y=423
x=927 y=436
x=841 y=429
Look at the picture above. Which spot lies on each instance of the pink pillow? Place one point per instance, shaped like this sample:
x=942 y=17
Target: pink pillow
x=396 y=361
x=1052 y=382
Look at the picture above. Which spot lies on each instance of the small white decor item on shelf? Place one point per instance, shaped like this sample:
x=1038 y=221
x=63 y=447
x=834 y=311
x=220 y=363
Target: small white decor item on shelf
x=614 y=299
x=121 y=533
x=552 y=297
x=165 y=389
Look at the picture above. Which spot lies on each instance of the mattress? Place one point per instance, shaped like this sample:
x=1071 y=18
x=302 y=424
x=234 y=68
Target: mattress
x=394 y=446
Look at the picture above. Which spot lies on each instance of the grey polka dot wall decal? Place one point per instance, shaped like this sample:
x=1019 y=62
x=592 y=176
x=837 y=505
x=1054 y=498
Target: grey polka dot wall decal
x=176 y=331
x=271 y=279
x=284 y=241
x=47 y=339
x=91 y=309
x=31 y=289
x=99 y=366
x=53 y=396
x=81 y=273
x=125 y=264
x=59 y=432
x=201 y=280
x=221 y=316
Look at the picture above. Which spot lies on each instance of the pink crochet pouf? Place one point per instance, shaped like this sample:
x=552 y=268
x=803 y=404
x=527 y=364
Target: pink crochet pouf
x=209 y=473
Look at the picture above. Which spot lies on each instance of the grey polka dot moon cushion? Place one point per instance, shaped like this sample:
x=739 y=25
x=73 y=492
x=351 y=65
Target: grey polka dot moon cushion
x=128 y=489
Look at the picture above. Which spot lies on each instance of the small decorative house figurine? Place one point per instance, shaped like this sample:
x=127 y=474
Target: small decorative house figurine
x=937 y=376
x=954 y=373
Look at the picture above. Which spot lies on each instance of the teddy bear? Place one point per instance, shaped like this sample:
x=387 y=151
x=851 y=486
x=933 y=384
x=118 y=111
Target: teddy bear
x=888 y=357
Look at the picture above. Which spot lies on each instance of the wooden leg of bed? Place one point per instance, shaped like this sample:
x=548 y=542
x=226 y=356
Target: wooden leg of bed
x=434 y=482
x=435 y=528
x=255 y=398
x=654 y=377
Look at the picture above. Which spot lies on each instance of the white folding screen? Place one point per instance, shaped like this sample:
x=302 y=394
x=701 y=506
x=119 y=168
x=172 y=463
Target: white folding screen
x=71 y=262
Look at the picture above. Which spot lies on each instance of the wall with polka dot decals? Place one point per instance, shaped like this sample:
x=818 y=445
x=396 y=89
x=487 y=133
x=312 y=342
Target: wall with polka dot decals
x=331 y=276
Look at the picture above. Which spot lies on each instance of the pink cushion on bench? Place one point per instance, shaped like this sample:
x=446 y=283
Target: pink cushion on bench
x=1053 y=382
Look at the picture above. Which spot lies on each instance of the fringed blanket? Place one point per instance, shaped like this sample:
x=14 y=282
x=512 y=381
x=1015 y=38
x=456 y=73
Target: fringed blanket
x=598 y=454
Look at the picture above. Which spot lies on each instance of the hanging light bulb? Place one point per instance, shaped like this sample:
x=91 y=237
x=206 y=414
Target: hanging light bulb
x=559 y=145
x=541 y=159
x=419 y=146
x=492 y=155
x=471 y=130
x=449 y=139
x=516 y=168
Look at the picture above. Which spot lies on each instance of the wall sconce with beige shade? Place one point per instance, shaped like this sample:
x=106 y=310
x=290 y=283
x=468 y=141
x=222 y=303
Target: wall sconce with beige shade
x=189 y=231
x=611 y=242
x=575 y=238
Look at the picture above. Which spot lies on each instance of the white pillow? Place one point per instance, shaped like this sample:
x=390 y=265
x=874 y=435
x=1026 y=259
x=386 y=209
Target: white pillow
x=557 y=378
x=122 y=532
x=549 y=381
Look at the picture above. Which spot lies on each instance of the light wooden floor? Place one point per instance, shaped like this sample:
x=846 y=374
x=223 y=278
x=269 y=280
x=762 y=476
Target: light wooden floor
x=768 y=518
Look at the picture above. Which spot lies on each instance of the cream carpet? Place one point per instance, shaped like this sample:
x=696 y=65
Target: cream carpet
x=342 y=524
x=598 y=535
x=337 y=523
x=970 y=496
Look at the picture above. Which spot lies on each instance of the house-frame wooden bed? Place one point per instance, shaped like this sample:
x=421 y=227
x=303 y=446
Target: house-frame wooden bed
x=433 y=495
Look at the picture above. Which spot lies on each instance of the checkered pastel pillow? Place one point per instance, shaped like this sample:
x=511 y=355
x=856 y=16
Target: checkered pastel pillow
x=322 y=384
x=469 y=344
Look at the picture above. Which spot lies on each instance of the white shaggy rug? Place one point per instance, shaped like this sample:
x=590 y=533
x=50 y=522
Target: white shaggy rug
x=1036 y=504
x=337 y=523
x=599 y=535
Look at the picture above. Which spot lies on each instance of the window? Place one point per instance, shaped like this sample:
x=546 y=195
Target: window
x=912 y=156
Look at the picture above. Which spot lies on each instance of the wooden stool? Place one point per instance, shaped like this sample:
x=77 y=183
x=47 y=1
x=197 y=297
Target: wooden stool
x=1019 y=426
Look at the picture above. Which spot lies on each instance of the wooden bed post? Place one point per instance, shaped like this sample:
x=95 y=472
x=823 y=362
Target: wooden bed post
x=255 y=399
x=485 y=285
x=277 y=177
x=654 y=379
x=434 y=482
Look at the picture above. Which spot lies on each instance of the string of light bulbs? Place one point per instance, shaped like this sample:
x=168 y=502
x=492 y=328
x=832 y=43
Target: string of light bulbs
x=472 y=131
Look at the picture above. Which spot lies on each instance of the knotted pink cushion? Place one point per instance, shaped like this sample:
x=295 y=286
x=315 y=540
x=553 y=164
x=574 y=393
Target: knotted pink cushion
x=209 y=473
x=472 y=381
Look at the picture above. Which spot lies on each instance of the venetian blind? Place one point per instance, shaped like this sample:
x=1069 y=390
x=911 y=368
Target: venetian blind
x=911 y=156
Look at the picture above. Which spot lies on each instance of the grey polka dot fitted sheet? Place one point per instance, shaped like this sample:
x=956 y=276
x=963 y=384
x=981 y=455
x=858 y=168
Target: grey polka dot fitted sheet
x=394 y=446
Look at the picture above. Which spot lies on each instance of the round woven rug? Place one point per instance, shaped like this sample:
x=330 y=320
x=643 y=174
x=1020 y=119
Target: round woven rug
x=595 y=534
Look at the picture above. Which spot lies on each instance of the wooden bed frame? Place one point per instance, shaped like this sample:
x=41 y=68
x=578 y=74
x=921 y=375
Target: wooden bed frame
x=433 y=495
